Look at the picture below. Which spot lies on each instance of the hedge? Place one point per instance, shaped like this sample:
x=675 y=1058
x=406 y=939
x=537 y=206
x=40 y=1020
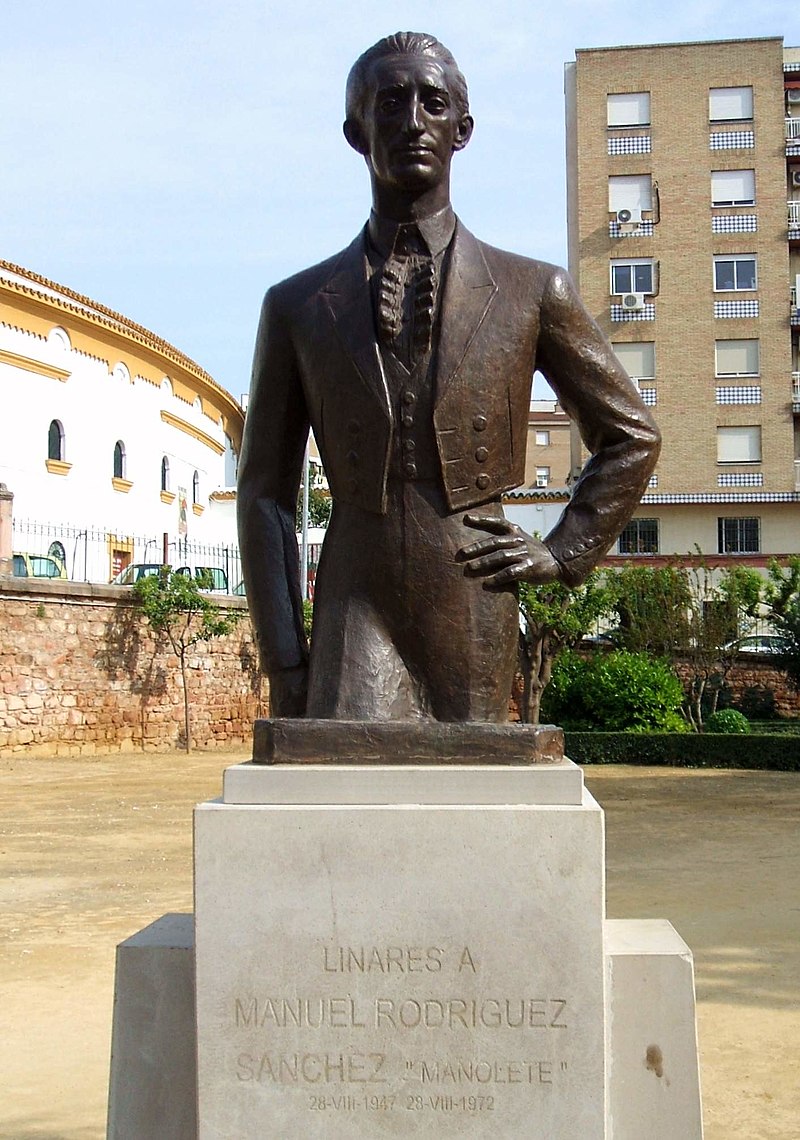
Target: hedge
x=773 y=752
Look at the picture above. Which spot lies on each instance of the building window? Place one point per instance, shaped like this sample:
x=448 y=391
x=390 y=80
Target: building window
x=630 y=192
x=119 y=460
x=543 y=439
x=165 y=474
x=730 y=104
x=736 y=358
x=638 y=360
x=639 y=536
x=542 y=476
x=629 y=110
x=738 y=536
x=733 y=187
x=739 y=444
x=734 y=272
x=195 y=488
x=634 y=276
x=55 y=441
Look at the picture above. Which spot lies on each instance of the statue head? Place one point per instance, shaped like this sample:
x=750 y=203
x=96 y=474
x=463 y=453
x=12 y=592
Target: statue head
x=402 y=43
x=407 y=112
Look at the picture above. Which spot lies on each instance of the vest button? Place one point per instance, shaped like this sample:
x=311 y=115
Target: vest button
x=482 y=454
x=409 y=444
x=479 y=423
x=408 y=420
x=411 y=470
x=409 y=397
x=482 y=482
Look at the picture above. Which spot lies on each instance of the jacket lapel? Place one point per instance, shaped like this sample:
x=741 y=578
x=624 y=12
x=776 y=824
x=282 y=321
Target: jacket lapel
x=347 y=300
x=469 y=292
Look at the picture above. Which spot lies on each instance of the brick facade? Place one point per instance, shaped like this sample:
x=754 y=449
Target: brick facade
x=79 y=675
x=675 y=154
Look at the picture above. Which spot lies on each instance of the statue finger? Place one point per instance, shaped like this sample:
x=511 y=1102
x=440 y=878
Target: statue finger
x=490 y=546
x=491 y=523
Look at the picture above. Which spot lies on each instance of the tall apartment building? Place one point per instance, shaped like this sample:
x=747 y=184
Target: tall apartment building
x=683 y=191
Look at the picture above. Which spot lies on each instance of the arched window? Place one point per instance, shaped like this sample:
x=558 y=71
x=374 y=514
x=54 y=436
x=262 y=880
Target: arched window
x=196 y=488
x=119 y=460
x=165 y=474
x=55 y=441
x=56 y=550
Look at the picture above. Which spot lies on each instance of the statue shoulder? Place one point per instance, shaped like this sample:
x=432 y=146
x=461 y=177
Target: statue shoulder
x=302 y=286
x=543 y=278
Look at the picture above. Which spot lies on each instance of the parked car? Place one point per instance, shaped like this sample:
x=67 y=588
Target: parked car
x=760 y=643
x=135 y=571
x=38 y=566
x=205 y=574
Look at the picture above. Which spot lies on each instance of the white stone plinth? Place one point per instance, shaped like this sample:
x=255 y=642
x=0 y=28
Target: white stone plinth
x=402 y=969
x=153 y=1086
x=476 y=784
x=654 y=1080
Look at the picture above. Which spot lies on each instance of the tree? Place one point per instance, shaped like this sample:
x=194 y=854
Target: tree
x=320 y=506
x=554 y=618
x=690 y=615
x=782 y=599
x=178 y=610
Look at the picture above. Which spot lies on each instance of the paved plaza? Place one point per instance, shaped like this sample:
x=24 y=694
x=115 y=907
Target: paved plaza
x=93 y=849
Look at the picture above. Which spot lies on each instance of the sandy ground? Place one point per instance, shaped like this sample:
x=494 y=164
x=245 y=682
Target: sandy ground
x=94 y=849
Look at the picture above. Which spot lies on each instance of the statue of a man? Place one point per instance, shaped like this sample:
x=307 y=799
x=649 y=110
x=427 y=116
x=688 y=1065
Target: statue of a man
x=411 y=355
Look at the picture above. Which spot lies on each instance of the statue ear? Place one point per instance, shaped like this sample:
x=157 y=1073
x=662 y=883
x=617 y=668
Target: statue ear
x=464 y=132
x=354 y=134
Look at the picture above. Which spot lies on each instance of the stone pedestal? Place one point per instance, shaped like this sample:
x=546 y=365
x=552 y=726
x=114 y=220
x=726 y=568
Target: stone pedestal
x=404 y=951
x=153 y=1086
x=424 y=960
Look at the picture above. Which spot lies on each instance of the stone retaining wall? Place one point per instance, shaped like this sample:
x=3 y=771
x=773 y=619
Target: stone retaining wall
x=80 y=672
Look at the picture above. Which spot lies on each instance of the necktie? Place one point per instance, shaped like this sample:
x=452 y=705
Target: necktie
x=407 y=297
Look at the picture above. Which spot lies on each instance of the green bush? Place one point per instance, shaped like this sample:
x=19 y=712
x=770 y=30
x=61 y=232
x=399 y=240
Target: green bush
x=777 y=753
x=726 y=721
x=620 y=691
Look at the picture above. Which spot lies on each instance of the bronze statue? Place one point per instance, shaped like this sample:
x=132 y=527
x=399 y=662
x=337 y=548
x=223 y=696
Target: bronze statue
x=411 y=355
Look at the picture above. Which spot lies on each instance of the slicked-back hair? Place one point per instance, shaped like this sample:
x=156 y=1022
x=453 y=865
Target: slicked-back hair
x=403 y=43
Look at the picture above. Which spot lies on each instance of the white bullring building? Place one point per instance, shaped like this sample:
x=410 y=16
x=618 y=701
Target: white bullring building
x=111 y=439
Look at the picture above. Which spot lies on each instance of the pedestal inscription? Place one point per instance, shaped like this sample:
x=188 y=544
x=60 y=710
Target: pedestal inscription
x=400 y=971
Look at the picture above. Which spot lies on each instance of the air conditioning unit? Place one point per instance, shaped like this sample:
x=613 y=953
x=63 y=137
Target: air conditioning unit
x=632 y=302
x=795 y=175
x=793 y=95
x=629 y=217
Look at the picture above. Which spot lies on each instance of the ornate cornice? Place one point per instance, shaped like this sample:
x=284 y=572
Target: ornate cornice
x=36 y=366
x=190 y=429
x=60 y=298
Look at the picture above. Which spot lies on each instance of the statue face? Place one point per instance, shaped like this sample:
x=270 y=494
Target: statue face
x=410 y=127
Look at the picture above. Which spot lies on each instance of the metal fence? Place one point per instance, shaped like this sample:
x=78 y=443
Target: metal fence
x=92 y=555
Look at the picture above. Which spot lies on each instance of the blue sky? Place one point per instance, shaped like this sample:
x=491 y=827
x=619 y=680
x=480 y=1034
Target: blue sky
x=173 y=159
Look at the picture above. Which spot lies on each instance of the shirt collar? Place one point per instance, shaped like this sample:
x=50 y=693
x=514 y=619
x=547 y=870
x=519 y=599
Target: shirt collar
x=436 y=231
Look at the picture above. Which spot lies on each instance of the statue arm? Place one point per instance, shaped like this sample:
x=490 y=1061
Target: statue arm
x=270 y=470
x=616 y=427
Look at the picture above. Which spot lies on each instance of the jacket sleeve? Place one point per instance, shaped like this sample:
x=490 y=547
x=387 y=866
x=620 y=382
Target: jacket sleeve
x=616 y=427
x=270 y=470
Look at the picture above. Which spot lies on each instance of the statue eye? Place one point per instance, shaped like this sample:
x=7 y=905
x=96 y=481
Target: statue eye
x=389 y=104
x=436 y=105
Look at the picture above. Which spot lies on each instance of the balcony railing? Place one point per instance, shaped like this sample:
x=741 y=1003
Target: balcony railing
x=796 y=391
x=792 y=129
x=793 y=211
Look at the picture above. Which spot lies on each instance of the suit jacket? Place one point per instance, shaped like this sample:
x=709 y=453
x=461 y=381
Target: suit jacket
x=502 y=316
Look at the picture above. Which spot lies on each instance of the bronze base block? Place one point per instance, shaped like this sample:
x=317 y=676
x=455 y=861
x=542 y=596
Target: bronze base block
x=298 y=741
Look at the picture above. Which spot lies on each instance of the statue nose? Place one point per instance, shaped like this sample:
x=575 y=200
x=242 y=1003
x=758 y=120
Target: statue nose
x=413 y=119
